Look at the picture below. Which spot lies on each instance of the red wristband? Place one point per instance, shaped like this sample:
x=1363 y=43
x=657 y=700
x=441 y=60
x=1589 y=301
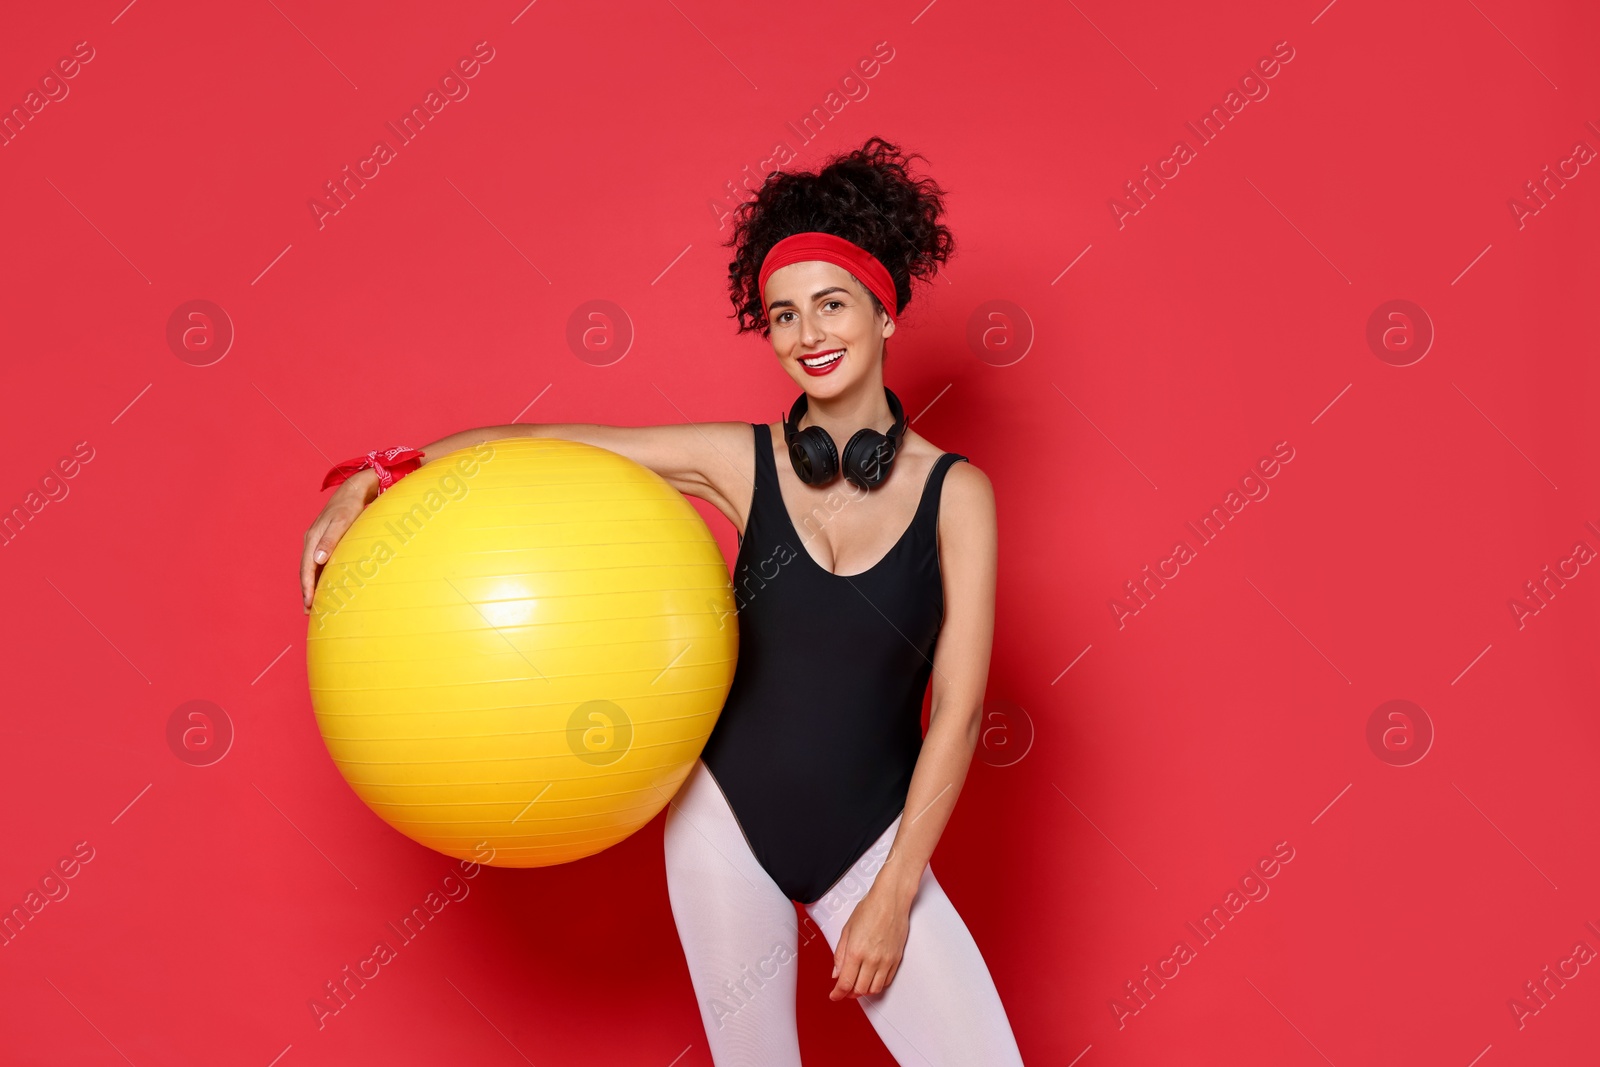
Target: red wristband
x=392 y=464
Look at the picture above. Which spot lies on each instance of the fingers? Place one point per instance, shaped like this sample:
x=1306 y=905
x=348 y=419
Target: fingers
x=320 y=541
x=840 y=950
x=862 y=973
x=860 y=976
x=308 y=564
x=846 y=964
x=849 y=971
x=868 y=980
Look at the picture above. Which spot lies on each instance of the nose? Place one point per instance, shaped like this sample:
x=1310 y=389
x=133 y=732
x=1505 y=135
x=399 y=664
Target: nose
x=811 y=332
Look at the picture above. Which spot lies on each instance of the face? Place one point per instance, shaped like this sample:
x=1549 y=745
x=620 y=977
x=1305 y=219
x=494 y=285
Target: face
x=818 y=309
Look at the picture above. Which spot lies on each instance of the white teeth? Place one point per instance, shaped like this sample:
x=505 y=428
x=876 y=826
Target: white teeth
x=823 y=361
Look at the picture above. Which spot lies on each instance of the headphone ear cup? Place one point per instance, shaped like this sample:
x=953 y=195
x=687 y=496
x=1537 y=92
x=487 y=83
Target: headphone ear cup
x=813 y=456
x=868 y=456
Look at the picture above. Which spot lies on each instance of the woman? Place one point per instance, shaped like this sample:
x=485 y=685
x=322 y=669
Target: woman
x=817 y=785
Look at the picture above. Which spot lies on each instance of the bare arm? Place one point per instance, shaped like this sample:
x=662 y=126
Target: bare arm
x=696 y=459
x=710 y=460
x=968 y=558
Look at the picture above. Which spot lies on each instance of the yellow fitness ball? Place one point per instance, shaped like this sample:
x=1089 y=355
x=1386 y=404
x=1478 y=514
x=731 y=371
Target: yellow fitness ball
x=519 y=650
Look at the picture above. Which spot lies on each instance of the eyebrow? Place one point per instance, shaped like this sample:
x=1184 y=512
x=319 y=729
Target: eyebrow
x=814 y=296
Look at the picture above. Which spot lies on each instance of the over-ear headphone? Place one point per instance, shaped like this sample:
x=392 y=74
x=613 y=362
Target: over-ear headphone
x=868 y=455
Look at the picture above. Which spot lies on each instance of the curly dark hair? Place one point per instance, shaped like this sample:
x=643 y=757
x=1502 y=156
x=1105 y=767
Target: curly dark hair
x=864 y=196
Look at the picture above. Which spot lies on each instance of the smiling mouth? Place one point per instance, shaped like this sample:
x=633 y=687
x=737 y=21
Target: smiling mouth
x=823 y=359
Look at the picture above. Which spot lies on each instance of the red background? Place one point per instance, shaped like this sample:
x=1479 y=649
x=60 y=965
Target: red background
x=588 y=162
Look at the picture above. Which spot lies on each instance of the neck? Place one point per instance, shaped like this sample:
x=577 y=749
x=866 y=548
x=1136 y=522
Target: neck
x=842 y=415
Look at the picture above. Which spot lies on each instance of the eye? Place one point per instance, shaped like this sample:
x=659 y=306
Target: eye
x=833 y=301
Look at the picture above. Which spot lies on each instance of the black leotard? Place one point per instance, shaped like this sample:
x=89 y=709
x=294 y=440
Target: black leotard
x=822 y=726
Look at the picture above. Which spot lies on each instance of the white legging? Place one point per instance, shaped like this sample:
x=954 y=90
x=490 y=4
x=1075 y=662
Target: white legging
x=740 y=937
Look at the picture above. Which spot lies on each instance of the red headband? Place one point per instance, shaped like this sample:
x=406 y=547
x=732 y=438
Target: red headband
x=800 y=247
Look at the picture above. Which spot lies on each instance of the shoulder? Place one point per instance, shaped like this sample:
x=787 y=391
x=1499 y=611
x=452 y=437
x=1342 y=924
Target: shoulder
x=967 y=524
x=967 y=540
x=967 y=492
x=729 y=447
x=966 y=486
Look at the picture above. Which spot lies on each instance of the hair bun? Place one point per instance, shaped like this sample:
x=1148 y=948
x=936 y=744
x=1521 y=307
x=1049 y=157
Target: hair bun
x=865 y=196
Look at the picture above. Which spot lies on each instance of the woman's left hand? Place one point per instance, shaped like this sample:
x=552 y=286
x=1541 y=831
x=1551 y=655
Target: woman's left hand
x=870 y=946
